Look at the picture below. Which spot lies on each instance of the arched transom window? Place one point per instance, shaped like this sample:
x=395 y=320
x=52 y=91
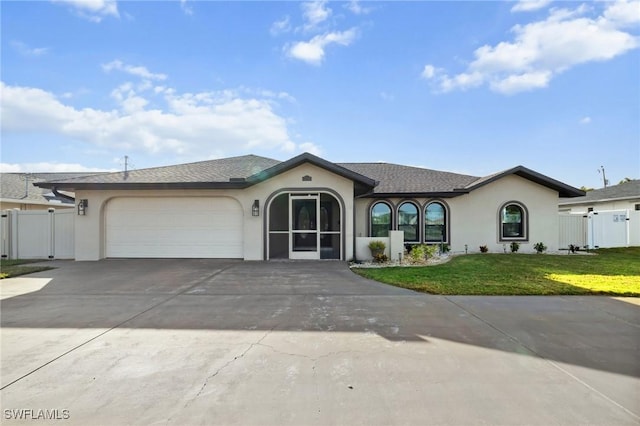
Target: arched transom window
x=513 y=222
x=435 y=223
x=380 y=220
x=409 y=221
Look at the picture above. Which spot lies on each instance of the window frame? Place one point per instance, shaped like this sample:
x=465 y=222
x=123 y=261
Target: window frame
x=418 y=226
x=391 y=216
x=445 y=226
x=524 y=222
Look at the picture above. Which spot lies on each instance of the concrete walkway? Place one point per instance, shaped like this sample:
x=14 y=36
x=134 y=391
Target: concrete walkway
x=304 y=343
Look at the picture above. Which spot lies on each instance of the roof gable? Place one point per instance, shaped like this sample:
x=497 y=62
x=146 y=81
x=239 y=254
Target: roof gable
x=563 y=189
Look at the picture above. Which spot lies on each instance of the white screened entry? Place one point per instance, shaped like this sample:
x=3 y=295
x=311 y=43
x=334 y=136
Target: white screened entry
x=174 y=227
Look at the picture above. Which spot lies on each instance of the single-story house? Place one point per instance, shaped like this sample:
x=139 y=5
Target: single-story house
x=256 y=208
x=624 y=196
x=17 y=191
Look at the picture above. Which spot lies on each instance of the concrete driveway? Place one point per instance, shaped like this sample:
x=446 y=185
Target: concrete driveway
x=304 y=343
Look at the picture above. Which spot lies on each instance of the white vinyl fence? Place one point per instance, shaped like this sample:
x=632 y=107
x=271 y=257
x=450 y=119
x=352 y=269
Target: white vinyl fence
x=602 y=229
x=37 y=234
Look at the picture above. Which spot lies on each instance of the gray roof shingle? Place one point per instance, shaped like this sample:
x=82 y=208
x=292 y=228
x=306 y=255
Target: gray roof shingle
x=221 y=170
x=398 y=179
x=627 y=190
x=18 y=187
x=373 y=179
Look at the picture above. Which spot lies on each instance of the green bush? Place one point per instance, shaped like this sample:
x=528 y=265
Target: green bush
x=380 y=258
x=540 y=247
x=484 y=249
x=515 y=246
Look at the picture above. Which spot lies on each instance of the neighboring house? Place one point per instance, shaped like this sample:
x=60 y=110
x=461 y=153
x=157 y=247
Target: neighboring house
x=625 y=196
x=255 y=208
x=17 y=191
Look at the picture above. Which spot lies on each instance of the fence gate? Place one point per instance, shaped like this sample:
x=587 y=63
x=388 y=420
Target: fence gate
x=573 y=230
x=37 y=234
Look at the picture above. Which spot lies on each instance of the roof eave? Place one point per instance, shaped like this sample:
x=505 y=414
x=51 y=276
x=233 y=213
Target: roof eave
x=564 y=190
x=143 y=185
x=438 y=194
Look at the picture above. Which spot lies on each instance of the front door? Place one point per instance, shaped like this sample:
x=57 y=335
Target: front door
x=304 y=243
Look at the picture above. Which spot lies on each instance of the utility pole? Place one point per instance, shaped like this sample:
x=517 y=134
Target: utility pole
x=604 y=177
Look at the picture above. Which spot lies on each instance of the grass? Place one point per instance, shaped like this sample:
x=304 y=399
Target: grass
x=613 y=272
x=16 y=267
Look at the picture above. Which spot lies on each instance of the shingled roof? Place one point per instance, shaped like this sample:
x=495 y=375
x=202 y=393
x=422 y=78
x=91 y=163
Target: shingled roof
x=18 y=188
x=371 y=179
x=624 y=191
x=406 y=180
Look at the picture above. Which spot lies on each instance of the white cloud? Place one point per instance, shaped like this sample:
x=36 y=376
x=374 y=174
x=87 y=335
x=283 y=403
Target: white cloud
x=25 y=50
x=48 y=167
x=311 y=148
x=541 y=50
x=281 y=26
x=585 y=120
x=355 y=6
x=428 y=72
x=138 y=71
x=188 y=10
x=188 y=124
x=530 y=5
x=314 y=13
x=313 y=51
x=92 y=10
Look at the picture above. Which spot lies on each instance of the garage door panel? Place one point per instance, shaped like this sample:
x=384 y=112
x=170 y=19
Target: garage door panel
x=174 y=227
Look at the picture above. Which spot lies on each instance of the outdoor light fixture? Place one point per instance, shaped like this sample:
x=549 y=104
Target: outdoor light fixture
x=82 y=207
x=255 y=209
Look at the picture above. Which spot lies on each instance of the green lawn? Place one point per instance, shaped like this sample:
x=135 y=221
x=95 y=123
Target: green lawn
x=15 y=267
x=610 y=271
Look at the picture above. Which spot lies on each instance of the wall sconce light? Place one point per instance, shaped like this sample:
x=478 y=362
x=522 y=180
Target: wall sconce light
x=82 y=207
x=255 y=209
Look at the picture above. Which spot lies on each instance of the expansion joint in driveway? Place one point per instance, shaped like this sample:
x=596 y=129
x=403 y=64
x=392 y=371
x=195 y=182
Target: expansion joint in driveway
x=173 y=296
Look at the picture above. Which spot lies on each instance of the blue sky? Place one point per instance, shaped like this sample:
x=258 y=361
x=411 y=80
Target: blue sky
x=469 y=87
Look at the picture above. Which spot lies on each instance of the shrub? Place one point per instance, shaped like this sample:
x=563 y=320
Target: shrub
x=417 y=254
x=380 y=258
x=377 y=245
x=430 y=251
x=540 y=247
x=573 y=248
x=484 y=249
x=515 y=246
x=446 y=248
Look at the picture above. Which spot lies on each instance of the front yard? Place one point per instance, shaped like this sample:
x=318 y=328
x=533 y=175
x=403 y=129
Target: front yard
x=15 y=267
x=613 y=272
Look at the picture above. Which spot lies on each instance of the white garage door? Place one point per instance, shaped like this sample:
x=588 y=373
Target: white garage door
x=174 y=227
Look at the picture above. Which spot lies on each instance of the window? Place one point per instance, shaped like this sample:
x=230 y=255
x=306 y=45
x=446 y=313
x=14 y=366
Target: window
x=513 y=222
x=435 y=223
x=380 y=220
x=637 y=207
x=408 y=222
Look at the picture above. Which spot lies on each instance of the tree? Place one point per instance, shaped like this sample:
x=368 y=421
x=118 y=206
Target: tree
x=625 y=180
x=585 y=189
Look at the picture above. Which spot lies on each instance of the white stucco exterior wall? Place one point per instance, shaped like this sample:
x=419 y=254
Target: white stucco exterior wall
x=90 y=238
x=474 y=217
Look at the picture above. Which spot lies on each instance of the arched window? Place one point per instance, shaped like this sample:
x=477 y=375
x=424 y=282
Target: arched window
x=435 y=223
x=409 y=222
x=513 y=222
x=380 y=220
